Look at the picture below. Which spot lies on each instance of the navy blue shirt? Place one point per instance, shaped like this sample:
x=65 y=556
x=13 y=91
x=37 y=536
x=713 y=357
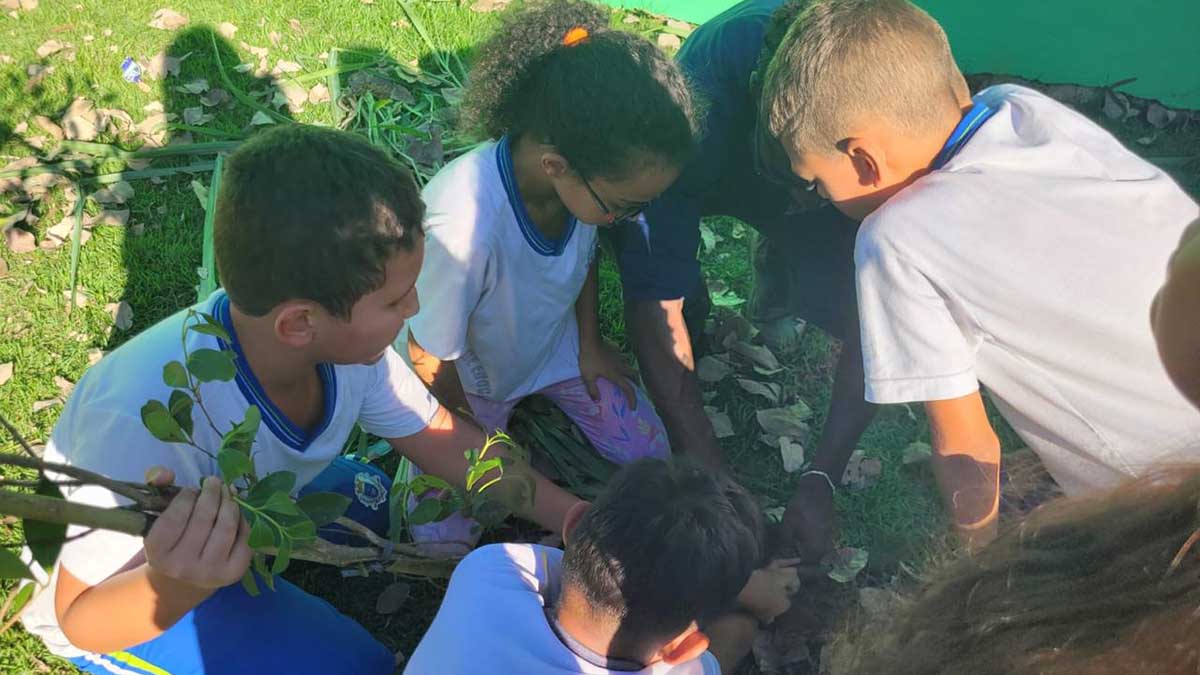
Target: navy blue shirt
x=658 y=260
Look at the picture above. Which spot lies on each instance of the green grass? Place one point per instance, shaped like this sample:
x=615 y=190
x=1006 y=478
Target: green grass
x=155 y=272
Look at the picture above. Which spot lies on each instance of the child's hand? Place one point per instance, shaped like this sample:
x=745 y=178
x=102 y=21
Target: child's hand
x=600 y=359
x=201 y=539
x=770 y=589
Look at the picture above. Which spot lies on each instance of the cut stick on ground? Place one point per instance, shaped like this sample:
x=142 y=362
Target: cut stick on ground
x=76 y=245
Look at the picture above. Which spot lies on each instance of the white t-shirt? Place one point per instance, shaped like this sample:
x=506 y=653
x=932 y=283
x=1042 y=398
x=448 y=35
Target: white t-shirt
x=1028 y=262
x=496 y=296
x=101 y=430
x=493 y=621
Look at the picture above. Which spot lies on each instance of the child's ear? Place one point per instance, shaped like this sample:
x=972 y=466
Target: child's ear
x=687 y=646
x=555 y=165
x=867 y=159
x=571 y=520
x=294 y=324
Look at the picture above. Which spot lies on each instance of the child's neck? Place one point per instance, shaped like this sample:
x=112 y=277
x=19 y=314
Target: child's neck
x=280 y=371
x=576 y=618
x=537 y=191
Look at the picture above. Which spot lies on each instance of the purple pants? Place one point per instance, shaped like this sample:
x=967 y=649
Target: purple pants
x=620 y=434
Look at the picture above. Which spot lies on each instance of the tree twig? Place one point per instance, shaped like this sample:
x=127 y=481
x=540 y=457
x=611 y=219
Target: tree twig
x=147 y=497
x=16 y=436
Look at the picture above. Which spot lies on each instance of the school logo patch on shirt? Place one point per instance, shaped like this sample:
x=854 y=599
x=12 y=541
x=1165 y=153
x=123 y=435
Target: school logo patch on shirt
x=370 y=490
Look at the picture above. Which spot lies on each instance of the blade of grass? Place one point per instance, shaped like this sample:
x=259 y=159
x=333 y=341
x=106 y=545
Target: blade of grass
x=106 y=150
x=76 y=245
x=117 y=177
x=208 y=283
x=335 y=87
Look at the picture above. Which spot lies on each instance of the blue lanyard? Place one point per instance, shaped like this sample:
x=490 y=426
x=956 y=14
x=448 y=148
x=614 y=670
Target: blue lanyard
x=970 y=123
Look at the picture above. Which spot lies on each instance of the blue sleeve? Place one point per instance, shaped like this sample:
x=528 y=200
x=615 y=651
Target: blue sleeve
x=657 y=257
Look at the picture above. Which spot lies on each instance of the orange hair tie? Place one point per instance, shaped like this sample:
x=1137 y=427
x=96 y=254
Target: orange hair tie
x=575 y=36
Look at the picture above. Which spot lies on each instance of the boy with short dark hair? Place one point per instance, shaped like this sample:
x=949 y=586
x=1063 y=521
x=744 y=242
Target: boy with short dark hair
x=318 y=242
x=659 y=557
x=1005 y=240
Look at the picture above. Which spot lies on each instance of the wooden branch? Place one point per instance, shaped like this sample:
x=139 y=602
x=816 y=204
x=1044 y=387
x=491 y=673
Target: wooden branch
x=54 y=510
x=16 y=436
x=148 y=498
x=402 y=559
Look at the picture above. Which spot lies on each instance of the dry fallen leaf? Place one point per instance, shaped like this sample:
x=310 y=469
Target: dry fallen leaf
x=861 y=471
x=292 y=95
x=82 y=122
x=48 y=125
x=153 y=107
x=1159 y=116
x=50 y=47
x=18 y=240
x=94 y=355
x=60 y=234
x=712 y=369
x=227 y=30
x=36 y=72
x=121 y=313
x=167 y=19
x=215 y=97
x=274 y=37
x=6 y=372
x=669 y=41
x=65 y=386
x=392 y=599
x=117 y=193
x=282 y=66
x=119 y=121
x=195 y=116
x=318 y=94
x=39 y=406
x=160 y=66
x=81 y=298
x=792 y=454
x=630 y=18
x=789 y=421
x=116 y=218
x=3 y=268
x=917 y=452
x=1115 y=105
x=294 y=24
x=758 y=355
x=153 y=129
x=846 y=563
x=261 y=118
x=722 y=425
x=489 y=5
x=25 y=5
x=197 y=86
x=768 y=390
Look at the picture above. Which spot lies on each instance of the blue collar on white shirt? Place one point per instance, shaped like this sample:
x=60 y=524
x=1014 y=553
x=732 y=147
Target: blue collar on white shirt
x=537 y=241
x=279 y=424
x=978 y=114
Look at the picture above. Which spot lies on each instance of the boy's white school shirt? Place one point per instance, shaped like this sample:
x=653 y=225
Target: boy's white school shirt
x=493 y=621
x=496 y=296
x=1028 y=263
x=101 y=430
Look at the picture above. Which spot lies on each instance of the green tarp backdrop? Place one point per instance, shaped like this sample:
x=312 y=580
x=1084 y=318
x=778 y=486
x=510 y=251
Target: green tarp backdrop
x=1090 y=42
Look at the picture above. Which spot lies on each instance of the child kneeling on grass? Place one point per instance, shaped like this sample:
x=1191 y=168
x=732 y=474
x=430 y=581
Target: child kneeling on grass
x=1005 y=240
x=660 y=557
x=318 y=243
x=589 y=125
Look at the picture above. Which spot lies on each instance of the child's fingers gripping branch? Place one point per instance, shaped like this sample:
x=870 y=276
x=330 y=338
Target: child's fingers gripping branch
x=201 y=539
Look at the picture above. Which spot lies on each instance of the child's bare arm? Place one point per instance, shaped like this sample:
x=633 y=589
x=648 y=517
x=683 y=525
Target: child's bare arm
x=198 y=545
x=966 y=462
x=730 y=639
x=440 y=376
x=597 y=358
x=438 y=450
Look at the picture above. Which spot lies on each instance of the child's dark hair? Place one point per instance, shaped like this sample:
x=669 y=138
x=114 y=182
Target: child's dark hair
x=312 y=213
x=777 y=28
x=668 y=543
x=1105 y=584
x=600 y=101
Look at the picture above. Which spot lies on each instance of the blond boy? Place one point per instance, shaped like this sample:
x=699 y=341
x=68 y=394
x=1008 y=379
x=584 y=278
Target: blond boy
x=1005 y=240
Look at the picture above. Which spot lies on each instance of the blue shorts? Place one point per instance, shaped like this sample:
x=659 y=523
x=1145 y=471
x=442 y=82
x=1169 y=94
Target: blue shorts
x=281 y=631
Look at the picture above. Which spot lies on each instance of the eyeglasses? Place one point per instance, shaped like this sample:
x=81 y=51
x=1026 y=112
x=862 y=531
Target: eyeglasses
x=615 y=217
